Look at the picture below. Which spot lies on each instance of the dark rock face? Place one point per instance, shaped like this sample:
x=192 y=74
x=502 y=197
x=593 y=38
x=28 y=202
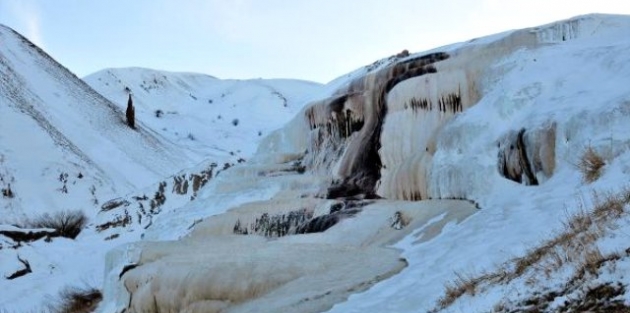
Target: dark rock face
x=114 y=203
x=324 y=222
x=348 y=125
x=526 y=155
x=299 y=221
x=278 y=225
x=144 y=207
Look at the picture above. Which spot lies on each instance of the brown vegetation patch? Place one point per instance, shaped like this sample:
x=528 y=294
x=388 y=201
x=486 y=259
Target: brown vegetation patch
x=591 y=164
x=77 y=300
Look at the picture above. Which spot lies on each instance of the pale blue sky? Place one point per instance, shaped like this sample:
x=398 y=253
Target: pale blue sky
x=315 y=40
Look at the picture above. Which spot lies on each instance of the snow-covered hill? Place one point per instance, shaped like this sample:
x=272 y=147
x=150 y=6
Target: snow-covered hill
x=519 y=139
x=218 y=122
x=64 y=146
x=206 y=115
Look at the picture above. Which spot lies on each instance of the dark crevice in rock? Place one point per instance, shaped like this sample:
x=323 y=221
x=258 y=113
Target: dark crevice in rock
x=349 y=190
x=360 y=168
x=525 y=154
x=349 y=204
x=277 y=225
x=29 y=235
x=336 y=213
x=416 y=104
x=322 y=223
x=125 y=269
x=22 y=272
x=523 y=158
x=451 y=103
x=299 y=221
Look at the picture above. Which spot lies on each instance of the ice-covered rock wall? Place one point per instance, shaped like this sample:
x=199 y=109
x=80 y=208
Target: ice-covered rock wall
x=378 y=134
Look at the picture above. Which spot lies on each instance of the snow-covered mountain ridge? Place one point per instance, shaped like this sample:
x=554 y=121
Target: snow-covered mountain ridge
x=208 y=116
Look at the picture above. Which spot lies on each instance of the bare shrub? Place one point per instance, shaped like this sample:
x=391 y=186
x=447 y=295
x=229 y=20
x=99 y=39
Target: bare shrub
x=591 y=164
x=77 y=300
x=67 y=223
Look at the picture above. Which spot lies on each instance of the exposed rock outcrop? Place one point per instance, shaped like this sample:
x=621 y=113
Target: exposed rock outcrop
x=346 y=128
x=378 y=134
x=528 y=157
x=123 y=212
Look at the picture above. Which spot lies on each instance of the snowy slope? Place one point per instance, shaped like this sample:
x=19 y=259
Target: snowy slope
x=209 y=116
x=63 y=145
x=452 y=128
x=74 y=151
x=219 y=122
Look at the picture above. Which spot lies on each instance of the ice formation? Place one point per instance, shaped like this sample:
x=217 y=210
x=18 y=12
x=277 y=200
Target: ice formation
x=454 y=123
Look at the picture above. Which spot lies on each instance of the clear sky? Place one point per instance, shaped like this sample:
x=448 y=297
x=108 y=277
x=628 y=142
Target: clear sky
x=314 y=40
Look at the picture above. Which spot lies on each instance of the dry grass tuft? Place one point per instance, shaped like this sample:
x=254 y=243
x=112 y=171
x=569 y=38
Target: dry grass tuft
x=591 y=165
x=608 y=205
x=466 y=284
x=593 y=258
x=462 y=285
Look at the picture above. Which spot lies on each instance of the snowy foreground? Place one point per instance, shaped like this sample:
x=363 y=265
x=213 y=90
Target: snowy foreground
x=485 y=176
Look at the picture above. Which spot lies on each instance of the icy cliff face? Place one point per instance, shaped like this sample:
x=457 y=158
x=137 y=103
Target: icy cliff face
x=393 y=131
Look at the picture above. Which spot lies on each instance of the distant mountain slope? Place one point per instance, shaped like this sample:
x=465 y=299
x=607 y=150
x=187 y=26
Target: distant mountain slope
x=62 y=145
x=208 y=116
